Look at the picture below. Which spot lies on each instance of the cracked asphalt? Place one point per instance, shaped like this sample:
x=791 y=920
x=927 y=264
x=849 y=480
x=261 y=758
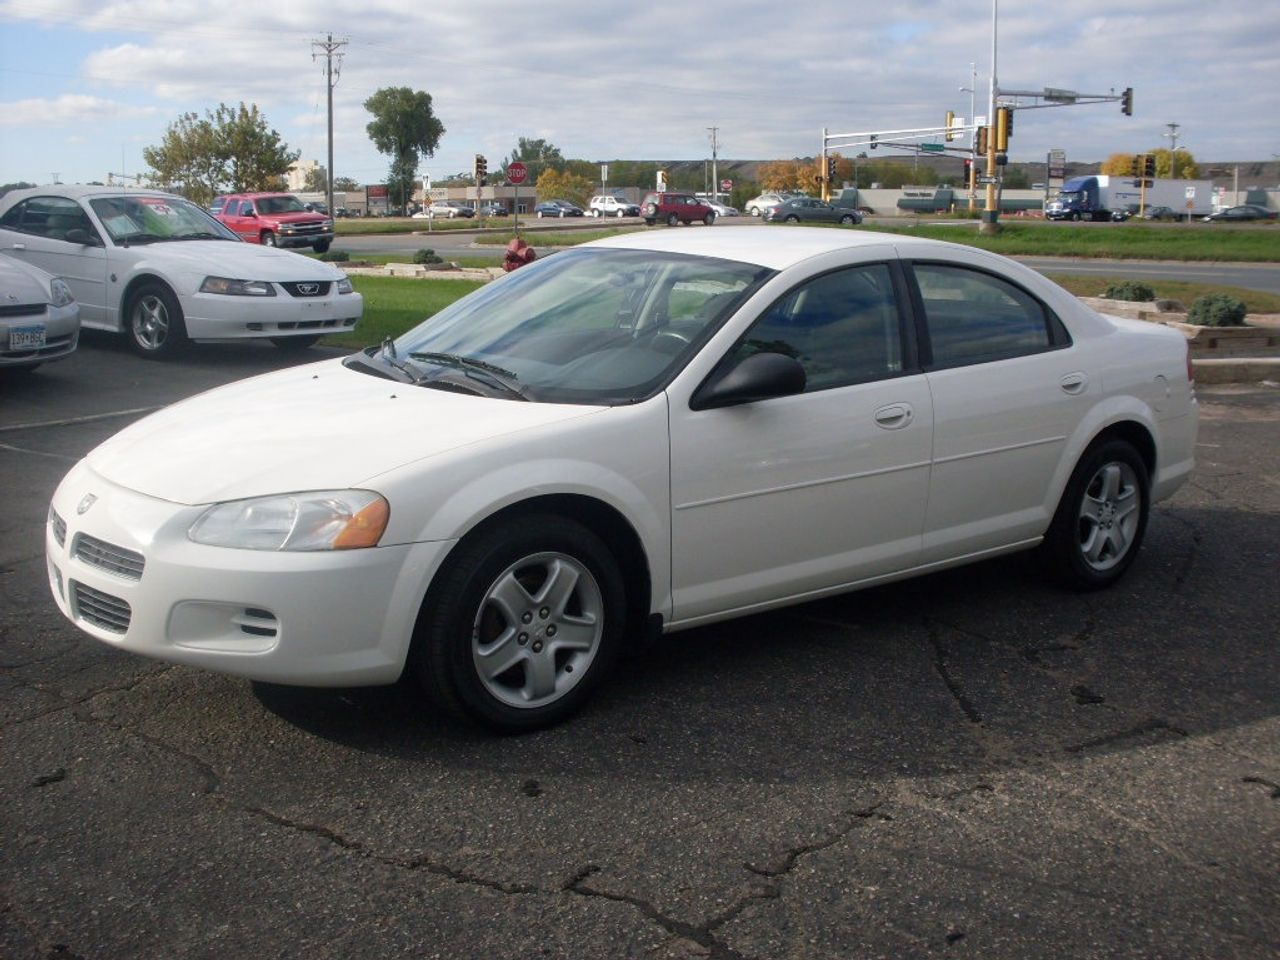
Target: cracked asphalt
x=973 y=764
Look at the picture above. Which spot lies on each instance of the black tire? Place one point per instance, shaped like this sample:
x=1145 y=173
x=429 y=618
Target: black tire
x=791 y=218
x=649 y=221
x=1098 y=527
x=672 y=220
x=458 y=614
x=321 y=246
x=1075 y=217
x=268 y=239
x=153 y=322
x=709 y=219
x=539 y=214
x=618 y=213
x=294 y=344
x=846 y=220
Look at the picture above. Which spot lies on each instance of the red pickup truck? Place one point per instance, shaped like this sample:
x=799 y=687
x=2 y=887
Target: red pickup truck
x=274 y=220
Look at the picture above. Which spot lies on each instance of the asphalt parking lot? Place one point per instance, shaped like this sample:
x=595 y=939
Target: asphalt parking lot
x=973 y=764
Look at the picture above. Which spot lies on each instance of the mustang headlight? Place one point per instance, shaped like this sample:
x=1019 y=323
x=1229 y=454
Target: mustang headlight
x=237 y=288
x=59 y=292
x=316 y=520
x=344 y=285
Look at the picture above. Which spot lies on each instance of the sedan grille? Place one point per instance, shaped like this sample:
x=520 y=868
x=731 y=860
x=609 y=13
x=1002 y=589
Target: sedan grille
x=308 y=288
x=109 y=557
x=101 y=609
x=22 y=309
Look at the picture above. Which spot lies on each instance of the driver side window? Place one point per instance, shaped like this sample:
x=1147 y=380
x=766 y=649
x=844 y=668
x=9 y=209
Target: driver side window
x=843 y=327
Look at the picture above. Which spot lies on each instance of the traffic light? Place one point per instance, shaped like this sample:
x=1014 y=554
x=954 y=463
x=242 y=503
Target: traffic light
x=951 y=122
x=968 y=170
x=1135 y=166
x=982 y=145
x=1126 y=102
x=1149 y=166
x=1004 y=126
x=873 y=141
x=481 y=169
x=831 y=169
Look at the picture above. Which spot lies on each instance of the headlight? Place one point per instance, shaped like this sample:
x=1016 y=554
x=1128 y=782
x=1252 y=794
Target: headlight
x=237 y=288
x=344 y=285
x=318 y=520
x=59 y=292
x=326 y=224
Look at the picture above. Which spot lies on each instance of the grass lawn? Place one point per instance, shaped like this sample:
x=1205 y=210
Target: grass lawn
x=394 y=304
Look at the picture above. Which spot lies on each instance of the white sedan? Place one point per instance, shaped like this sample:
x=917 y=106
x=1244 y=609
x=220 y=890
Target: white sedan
x=652 y=431
x=39 y=318
x=161 y=270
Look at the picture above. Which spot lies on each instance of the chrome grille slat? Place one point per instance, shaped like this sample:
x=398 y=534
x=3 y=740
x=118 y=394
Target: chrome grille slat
x=101 y=609
x=109 y=557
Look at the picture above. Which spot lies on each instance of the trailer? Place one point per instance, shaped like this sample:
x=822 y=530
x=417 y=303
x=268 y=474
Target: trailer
x=1101 y=197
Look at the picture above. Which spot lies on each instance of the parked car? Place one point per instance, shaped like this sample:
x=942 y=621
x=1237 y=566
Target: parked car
x=163 y=271
x=654 y=431
x=449 y=209
x=607 y=205
x=810 y=210
x=39 y=318
x=557 y=208
x=721 y=209
x=274 y=220
x=1160 y=213
x=757 y=205
x=1245 y=211
x=494 y=210
x=673 y=207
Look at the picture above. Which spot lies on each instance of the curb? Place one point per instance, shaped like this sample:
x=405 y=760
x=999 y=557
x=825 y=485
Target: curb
x=1237 y=370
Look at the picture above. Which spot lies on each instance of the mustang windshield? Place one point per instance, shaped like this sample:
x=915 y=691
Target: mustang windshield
x=149 y=219
x=590 y=325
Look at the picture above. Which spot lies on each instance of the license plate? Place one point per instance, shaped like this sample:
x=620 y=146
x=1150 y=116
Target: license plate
x=27 y=338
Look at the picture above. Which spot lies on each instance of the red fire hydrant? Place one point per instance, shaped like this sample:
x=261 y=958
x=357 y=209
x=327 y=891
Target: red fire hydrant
x=518 y=254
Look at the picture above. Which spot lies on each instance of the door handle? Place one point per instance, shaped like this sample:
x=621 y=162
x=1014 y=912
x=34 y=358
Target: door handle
x=1074 y=383
x=19 y=246
x=894 y=416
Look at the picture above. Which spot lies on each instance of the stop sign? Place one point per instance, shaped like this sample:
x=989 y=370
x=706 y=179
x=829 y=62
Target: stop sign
x=517 y=172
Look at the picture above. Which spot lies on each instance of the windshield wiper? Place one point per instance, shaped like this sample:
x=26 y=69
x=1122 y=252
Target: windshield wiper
x=198 y=236
x=140 y=238
x=490 y=373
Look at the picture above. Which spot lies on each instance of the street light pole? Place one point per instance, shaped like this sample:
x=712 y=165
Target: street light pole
x=991 y=215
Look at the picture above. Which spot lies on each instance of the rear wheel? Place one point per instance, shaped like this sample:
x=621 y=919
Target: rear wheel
x=709 y=219
x=1098 y=527
x=268 y=239
x=522 y=624
x=846 y=219
x=791 y=218
x=153 y=322
x=672 y=220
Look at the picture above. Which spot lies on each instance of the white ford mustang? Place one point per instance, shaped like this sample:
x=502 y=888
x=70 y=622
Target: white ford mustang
x=658 y=430
x=163 y=271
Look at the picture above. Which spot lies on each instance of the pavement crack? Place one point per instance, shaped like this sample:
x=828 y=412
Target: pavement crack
x=1275 y=787
x=951 y=683
x=787 y=861
x=1154 y=725
x=701 y=935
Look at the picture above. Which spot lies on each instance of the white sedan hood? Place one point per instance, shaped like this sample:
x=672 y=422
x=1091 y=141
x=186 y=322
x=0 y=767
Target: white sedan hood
x=240 y=261
x=315 y=427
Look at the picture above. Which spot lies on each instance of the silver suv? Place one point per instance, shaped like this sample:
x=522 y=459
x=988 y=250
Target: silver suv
x=607 y=205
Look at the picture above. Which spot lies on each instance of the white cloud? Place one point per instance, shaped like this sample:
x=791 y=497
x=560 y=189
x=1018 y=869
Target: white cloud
x=67 y=109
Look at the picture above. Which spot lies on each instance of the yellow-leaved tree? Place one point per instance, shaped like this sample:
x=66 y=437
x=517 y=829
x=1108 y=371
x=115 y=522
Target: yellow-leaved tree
x=561 y=185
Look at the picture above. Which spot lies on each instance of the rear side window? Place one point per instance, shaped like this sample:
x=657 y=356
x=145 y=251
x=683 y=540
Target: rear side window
x=975 y=317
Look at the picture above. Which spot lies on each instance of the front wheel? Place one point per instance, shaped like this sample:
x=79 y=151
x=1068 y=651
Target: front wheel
x=672 y=220
x=522 y=624
x=1100 y=521
x=153 y=322
x=321 y=246
x=709 y=219
x=268 y=239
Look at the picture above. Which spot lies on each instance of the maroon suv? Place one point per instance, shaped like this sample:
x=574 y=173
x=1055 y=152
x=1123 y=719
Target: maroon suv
x=675 y=208
x=274 y=220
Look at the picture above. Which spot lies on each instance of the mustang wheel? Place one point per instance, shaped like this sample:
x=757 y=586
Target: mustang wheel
x=153 y=321
x=1098 y=527
x=522 y=624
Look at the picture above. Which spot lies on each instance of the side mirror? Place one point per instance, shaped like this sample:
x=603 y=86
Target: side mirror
x=82 y=237
x=309 y=208
x=760 y=376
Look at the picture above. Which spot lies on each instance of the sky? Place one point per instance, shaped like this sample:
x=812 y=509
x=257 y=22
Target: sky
x=86 y=85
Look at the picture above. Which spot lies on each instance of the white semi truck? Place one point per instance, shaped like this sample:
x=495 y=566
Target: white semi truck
x=1099 y=197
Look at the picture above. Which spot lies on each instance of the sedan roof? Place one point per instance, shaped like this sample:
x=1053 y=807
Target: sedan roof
x=776 y=248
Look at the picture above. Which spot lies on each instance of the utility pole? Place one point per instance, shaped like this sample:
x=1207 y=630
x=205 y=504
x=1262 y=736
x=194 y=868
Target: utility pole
x=991 y=215
x=715 y=181
x=1173 y=148
x=331 y=48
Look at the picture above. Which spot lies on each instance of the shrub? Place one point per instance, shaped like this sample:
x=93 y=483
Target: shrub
x=335 y=256
x=426 y=256
x=1134 y=290
x=1216 y=310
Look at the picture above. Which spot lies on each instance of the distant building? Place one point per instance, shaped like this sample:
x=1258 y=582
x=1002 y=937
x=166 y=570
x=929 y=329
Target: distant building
x=296 y=178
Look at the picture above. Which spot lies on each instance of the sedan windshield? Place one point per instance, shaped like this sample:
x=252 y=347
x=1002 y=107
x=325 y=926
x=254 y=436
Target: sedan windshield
x=584 y=326
x=151 y=219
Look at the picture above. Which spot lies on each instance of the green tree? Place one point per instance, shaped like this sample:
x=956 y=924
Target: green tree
x=229 y=149
x=538 y=155
x=316 y=181
x=405 y=128
x=345 y=183
x=555 y=185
